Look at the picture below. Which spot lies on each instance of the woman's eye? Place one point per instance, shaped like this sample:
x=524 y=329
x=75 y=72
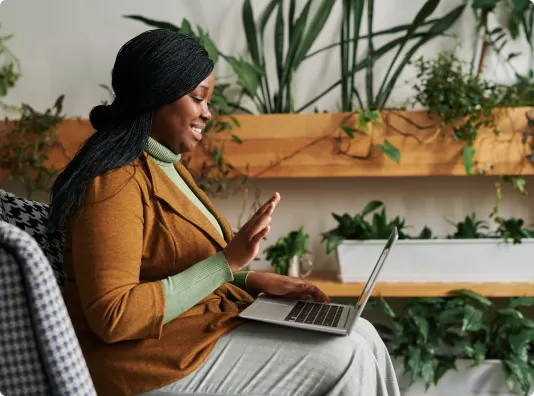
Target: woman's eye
x=198 y=100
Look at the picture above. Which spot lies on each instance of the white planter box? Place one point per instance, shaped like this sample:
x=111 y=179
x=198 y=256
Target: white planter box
x=439 y=261
x=486 y=379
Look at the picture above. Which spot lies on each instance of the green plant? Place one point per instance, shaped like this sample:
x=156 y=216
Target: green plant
x=295 y=243
x=358 y=228
x=9 y=69
x=513 y=228
x=28 y=140
x=419 y=334
x=432 y=333
x=470 y=228
x=517 y=14
x=426 y=233
x=294 y=35
x=421 y=30
x=498 y=333
x=463 y=102
x=197 y=32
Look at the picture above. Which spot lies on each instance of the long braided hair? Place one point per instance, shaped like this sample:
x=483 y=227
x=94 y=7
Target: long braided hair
x=151 y=70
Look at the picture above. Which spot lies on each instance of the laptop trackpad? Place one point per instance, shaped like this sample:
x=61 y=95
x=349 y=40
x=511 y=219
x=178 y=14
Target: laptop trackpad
x=271 y=309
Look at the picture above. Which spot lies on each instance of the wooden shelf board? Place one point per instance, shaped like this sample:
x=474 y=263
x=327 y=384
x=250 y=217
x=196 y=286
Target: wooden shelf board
x=328 y=283
x=306 y=145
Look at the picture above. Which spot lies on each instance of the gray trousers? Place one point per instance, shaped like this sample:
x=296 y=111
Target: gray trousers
x=258 y=359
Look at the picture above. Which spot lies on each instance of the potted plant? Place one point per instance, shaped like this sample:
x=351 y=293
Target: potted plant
x=473 y=253
x=290 y=254
x=463 y=345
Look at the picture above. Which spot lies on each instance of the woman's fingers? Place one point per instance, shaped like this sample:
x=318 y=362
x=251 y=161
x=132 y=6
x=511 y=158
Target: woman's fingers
x=307 y=289
x=256 y=239
x=262 y=222
x=255 y=217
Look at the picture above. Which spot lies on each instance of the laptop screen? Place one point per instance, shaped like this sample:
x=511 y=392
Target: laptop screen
x=369 y=286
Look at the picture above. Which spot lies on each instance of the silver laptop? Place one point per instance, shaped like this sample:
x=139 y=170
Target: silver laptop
x=309 y=315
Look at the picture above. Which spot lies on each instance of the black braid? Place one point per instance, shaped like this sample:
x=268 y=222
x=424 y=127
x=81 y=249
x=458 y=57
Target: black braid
x=151 y=70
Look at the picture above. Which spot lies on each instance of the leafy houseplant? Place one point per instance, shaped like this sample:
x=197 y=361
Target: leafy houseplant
x=418 y=338
x=432 y=333
x=357 y=227
x=295 y=243
x=470 y=228
x=507 y=229
x=499 y=333
x=28 y=140
x=462 y=101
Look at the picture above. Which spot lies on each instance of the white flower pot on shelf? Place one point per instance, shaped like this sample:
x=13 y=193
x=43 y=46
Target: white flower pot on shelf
x=439 y=261
x=486 y=379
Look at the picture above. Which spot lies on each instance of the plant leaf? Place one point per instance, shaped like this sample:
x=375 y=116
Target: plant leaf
x=437 y=29
x=474 y=296
x=279 y=38
x=251 y=36
x=390 y=151
x=153 y=22
x=468 y=155
x=349 y=131
x=387 y=309
x=445 y=363
x=518 y=302
x=236 y=139
x=426 y=10
x=314 y=29
x=371 y=207
x=248 y=75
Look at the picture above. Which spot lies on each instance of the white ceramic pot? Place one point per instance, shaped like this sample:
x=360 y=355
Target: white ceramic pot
x=439 y=260
x=486 y=379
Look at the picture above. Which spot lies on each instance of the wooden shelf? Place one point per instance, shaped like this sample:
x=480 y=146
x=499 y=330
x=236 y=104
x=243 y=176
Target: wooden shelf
x=308 y=145
x=329 y=284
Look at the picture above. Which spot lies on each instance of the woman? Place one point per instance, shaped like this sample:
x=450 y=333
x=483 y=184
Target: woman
x=154 y=276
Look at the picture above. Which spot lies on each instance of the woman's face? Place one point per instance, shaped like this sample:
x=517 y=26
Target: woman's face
x=180 y=124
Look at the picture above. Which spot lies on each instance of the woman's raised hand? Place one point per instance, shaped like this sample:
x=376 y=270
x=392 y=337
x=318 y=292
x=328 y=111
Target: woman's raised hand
x=245 y=245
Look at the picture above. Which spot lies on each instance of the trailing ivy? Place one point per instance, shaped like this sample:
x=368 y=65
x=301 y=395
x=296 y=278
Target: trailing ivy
x=463 y=101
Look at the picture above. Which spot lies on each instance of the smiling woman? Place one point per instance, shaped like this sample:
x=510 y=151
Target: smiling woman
x=154 y=276
x=179 y=124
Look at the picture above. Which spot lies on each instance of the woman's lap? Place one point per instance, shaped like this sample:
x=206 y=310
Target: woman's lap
x=261 y=359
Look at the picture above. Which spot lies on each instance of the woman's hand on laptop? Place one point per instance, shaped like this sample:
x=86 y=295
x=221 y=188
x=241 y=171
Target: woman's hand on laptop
x=284 y=286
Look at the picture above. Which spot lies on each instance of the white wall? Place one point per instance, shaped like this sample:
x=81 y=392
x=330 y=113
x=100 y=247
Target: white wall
x=68 y=47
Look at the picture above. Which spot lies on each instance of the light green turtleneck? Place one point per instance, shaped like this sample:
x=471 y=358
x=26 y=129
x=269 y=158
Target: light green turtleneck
x=184 y=290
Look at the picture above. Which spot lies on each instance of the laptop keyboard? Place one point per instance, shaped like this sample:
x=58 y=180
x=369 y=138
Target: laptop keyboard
x=315 y=313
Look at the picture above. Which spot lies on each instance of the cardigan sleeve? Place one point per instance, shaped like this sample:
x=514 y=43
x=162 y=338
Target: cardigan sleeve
x=107 y=242
x=185 y=289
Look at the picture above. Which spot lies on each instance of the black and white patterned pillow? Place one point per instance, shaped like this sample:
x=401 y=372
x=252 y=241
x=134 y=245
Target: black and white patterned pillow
x=32 y=217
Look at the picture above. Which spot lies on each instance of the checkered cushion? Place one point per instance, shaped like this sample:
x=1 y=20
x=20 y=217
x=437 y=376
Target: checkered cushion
x=32 y=217
x=3 y=215
x=39 y=351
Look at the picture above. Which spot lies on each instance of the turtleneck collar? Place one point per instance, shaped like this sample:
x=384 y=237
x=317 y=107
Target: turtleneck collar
x=160 y=153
